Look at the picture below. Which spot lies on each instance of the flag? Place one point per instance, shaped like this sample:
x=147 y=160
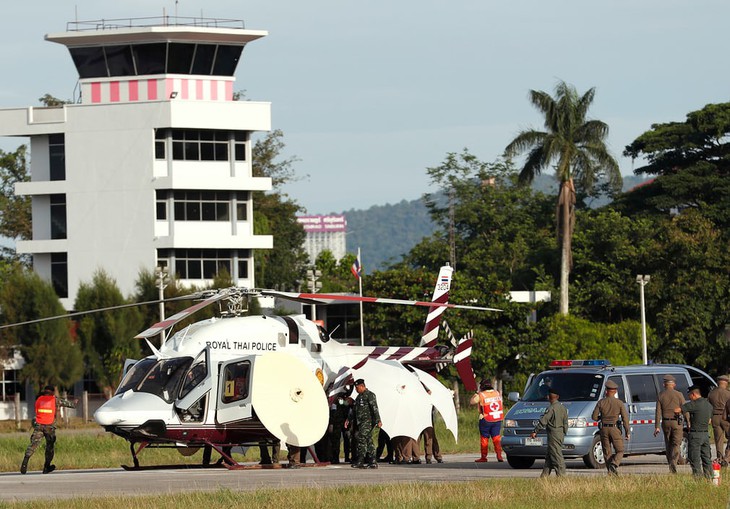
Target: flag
x=356 y=269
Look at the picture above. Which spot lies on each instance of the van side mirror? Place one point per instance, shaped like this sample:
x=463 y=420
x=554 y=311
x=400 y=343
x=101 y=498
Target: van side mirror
x=513 y=396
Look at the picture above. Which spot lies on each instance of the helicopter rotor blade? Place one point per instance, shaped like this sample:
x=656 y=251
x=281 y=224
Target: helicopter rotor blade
x=323 y=298
x=169 y=322
x=99 y=310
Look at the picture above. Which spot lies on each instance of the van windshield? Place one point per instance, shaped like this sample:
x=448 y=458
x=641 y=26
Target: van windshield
x=570 y=386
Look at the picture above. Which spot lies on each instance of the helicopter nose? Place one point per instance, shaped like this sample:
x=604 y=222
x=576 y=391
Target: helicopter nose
x=132 y=408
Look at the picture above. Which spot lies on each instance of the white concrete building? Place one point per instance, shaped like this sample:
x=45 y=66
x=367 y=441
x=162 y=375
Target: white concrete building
x=324 y=232
x=153 y=165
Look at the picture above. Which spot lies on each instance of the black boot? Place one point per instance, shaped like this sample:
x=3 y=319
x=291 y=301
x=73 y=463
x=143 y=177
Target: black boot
x=47 y=469
x=24 y=465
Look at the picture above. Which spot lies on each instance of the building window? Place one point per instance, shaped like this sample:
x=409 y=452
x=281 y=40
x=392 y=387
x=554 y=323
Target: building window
x=161 y=205
x=10 y=384
x=202 y=205
x=201 y=145
x=58 y=216
x=57 y=156
x=59 y=273
x=205 y=263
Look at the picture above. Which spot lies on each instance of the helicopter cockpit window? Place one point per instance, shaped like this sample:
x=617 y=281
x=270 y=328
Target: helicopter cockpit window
x=135 y=375
x=236 y=378
x=164 y=379
x=193 y=377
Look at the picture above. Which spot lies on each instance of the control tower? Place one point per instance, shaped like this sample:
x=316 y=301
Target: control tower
x=152 y=166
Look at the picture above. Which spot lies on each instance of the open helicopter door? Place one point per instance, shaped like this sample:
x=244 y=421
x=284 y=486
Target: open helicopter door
x=234 y=390
x=197 y=383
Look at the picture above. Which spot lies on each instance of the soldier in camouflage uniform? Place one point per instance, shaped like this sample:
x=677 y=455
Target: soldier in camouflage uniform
x=44 y=425
x=367 y=417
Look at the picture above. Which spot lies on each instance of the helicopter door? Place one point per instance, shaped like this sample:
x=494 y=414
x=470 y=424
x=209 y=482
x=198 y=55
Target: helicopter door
x=197 y=382
x=234 y=390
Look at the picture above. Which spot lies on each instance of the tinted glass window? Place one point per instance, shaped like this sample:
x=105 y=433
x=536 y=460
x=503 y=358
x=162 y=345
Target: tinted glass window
x=135 y=375
x=150 y=58
x=119 y=60
x=570 y=386
x=642 y=388
x=621 y=389
x=164 y=379
x=226 y=60
x=203 y=62
x=89 y=62
x=193 y=378
x=681 y=382
x=179 y=58
x=235 y=384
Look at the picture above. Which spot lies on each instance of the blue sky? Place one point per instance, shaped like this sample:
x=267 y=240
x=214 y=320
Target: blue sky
x=370 y=94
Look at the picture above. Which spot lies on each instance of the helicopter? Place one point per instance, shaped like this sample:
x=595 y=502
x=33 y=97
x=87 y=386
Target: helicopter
x=233 y=380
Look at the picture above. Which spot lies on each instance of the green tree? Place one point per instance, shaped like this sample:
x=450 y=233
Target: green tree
x=336 y=275
x=15 y=213
x=577 y=145
x=107 y=338
x=51 y=355
x=691 y=160
x=275 y=214
x=50 y=101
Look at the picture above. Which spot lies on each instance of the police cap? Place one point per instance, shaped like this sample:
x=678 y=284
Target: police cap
x=669 y=378
x=723 y=378
x=611 y=385
x=554 y=391
x=359 y=381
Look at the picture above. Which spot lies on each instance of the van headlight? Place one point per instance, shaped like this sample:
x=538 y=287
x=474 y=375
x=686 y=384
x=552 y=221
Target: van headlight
x=510 y=423
x=578 y=422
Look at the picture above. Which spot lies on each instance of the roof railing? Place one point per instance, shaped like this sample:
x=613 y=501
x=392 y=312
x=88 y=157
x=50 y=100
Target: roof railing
x=114 y=24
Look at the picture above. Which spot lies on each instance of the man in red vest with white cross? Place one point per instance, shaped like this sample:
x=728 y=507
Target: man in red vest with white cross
x=491 y=414
x=46 y=409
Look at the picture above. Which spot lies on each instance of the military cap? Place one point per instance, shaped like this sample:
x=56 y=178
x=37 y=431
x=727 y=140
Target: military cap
x=359 y=381
x=693 y=388
x=611 y=385
x=723 y=377
x=669 y=378
x=553 y=391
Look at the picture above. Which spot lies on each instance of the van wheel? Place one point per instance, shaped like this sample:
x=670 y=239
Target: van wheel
x=595 y=459
x=683 y=451
x=520 y=462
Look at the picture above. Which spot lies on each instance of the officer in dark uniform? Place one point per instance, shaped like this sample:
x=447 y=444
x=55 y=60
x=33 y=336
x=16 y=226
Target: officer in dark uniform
x=367 y=417
x=668 y=401
x=698 y=412
x=44 y=425
x=339 y=410
x=609 y=410
x=718 y=398
x=555 y=422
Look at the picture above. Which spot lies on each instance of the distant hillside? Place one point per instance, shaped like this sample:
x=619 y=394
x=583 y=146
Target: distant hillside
x=385 y=233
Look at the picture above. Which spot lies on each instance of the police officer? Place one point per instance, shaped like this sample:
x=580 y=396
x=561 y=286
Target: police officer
x=698 y=412
x=555 y=422
x=367 y=417
x=718 y=398
x=44 y=425
x=667 y=413
x=609 y=410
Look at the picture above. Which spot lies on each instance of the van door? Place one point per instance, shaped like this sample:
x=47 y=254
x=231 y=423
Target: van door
x=641 y=407
x=234 y=390
x=621 y=394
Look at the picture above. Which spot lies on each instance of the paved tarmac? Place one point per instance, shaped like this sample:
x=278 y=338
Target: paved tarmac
x=118 y=482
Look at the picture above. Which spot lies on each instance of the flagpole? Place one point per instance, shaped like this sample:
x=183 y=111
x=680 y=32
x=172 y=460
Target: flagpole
x=359 y=281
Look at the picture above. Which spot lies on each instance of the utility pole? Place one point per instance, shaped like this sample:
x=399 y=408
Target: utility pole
x=314 y=285
x=642 y=281
x=162 y=276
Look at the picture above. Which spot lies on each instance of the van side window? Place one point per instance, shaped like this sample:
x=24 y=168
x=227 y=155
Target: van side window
x=681 y=382
x=621 y=391
x=642 y=388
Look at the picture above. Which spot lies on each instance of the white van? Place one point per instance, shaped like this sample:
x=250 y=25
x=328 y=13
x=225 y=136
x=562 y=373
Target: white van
x=581 y=383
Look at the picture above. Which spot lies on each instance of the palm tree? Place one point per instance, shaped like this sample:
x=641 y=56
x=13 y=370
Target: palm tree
x=578 y=147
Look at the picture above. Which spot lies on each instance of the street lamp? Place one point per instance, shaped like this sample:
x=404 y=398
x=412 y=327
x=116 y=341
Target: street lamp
x=642 y=281
x=314 y=285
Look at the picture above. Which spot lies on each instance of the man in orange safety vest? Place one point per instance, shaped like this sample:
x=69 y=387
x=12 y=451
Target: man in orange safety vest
x=46 y=409
x=491 y=414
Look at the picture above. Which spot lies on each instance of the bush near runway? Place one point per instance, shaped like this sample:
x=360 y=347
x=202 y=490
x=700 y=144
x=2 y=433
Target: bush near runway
x=89 y=446
x=628 y=492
